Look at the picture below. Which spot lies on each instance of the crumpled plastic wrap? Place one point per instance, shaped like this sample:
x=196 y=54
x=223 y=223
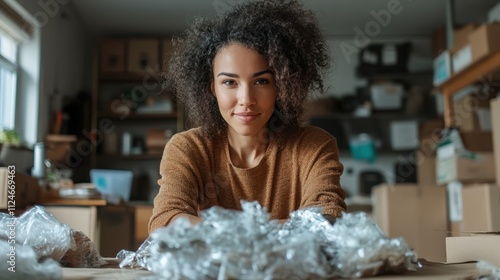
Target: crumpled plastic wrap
x=25 y=264
x=45 y=234
x=488 y=271
x=83 y=253
x=248 y=245
x=49 y=238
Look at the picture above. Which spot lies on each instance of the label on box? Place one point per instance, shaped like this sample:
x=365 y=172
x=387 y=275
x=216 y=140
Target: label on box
x=446 y=151
x=462 y=58
x=484 y=118
x=404 y=135
x=442 y=68
x=455 y=207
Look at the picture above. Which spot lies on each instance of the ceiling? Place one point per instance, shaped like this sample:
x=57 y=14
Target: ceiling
x=337 y=17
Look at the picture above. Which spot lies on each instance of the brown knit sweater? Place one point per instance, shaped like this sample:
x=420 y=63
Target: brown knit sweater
x=197 y=173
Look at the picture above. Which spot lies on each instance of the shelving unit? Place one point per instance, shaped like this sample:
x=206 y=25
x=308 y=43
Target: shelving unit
x=120 y=91
x=476 y=72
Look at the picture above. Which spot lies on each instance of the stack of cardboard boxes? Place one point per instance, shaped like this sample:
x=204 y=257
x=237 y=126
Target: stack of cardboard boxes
x=453 y=213
x=445 y=217
x=476 y=225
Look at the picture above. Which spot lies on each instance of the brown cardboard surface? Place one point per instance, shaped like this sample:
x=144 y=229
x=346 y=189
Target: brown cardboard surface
x=461 y=36
x=27 y=190
x=426 y=169
x=473 y=248
x=142 y=215
x=484 y=40
x=466 y=112
x=495 y=125
x=481 y=208
x=428 y=271
x=466 y=169
x=477 y=141
x=416 y=213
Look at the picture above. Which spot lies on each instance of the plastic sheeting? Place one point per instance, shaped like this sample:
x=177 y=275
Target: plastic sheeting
x=40 y=244
x=248 y=245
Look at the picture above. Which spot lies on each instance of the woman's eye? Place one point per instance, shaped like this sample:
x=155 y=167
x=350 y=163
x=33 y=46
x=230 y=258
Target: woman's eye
x=228 y=82
x=261 y=82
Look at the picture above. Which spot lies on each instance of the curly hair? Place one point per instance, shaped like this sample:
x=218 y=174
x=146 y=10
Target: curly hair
x=287 y=35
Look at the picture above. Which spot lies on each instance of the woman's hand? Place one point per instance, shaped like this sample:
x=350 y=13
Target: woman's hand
x=192 y=219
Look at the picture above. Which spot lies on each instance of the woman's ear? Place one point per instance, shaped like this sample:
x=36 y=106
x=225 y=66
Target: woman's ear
x=212 y=88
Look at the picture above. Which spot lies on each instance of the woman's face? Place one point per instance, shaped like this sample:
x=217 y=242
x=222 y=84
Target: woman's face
x=245 y=89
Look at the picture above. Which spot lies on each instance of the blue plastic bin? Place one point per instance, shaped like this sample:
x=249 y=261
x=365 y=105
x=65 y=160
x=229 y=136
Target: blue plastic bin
x=114 y=183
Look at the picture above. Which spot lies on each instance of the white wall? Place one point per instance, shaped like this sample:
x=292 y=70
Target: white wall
x=62 y=60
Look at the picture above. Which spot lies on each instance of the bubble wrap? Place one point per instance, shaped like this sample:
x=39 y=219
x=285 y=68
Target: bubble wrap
x=248 y=245
x=45 y=234
x=488 y=271
x=50 y=238
x=25 y=264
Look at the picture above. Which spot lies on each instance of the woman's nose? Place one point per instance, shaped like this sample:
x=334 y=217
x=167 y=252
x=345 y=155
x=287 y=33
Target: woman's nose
x=245 y=96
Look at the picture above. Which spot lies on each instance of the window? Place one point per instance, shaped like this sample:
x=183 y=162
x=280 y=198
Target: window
x=8 y=78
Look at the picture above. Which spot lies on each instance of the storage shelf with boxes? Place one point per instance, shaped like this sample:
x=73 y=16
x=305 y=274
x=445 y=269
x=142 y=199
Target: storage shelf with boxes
x=128 y=93
x=468 y=156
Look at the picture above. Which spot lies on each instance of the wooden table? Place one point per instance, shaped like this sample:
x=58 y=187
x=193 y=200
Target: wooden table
x=429 y=271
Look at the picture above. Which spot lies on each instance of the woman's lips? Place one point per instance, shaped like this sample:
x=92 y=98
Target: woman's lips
x=247 y=116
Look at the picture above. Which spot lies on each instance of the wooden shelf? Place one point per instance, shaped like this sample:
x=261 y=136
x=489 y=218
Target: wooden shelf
x=74 y=202
x=130 y=77
x=134 y=116
x=139 y=156
x=476 y=72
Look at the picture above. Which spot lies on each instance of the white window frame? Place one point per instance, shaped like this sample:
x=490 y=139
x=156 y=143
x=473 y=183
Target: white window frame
x=8 y=99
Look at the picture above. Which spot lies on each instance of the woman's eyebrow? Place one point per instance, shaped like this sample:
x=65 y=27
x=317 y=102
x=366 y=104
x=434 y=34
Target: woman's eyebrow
x=228 y=74
x=262 y=73
x=236 y=76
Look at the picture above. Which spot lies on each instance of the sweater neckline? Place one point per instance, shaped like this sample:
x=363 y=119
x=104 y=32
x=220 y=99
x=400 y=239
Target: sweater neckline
x=230 y=162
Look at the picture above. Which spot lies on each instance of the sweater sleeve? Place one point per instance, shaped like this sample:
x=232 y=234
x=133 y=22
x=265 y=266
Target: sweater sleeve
x=178 y=183
x=322 y=179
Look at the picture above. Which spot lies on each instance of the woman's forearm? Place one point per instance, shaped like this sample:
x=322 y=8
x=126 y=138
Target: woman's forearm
x=192 y=219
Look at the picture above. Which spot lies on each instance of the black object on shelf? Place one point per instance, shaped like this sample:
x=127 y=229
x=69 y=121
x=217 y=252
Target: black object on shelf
x=384 y=58
x=368 y=179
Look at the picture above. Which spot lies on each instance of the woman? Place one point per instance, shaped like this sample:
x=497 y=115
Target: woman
x=243 y=79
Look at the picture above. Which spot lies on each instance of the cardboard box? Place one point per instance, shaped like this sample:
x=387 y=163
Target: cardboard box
x=27 y=190
x=477 y=141
x=475 y=167
x=442 y=68
x=485 y=40
x=461 y=36
x=473 y=248
x=481 y=208
x=143 y=56
x=82 y=218
x=426 y=169
x=472 y=113
x=112 y=56
x=142 y=215
x=416 y=213
x=461 y=58
x=495 y=124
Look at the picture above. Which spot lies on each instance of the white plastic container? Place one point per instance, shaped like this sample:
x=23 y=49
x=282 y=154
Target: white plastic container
x=387 y=96
x=112 y=183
